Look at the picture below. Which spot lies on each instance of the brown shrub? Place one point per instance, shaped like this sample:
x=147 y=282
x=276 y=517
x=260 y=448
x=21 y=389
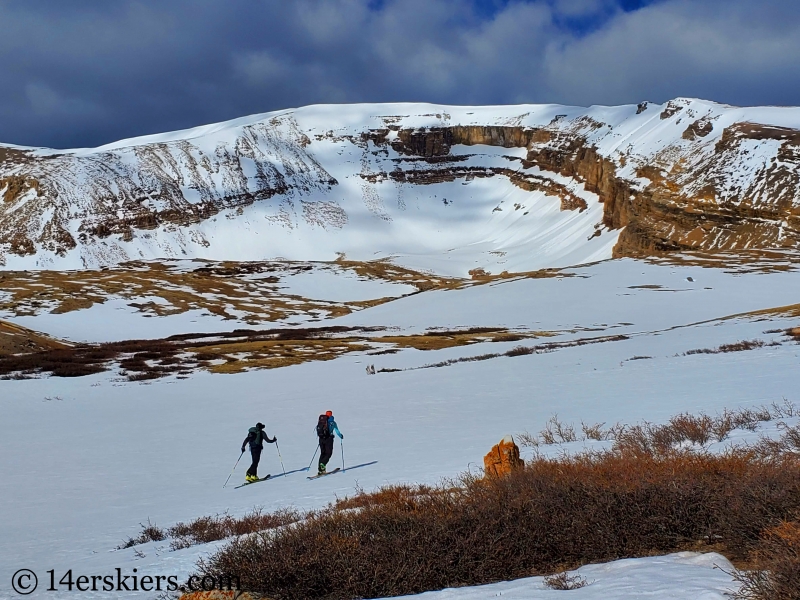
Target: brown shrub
x=565 y=581
x=740 y=346
x=777 y=561
x=150 y=533
x=552 y=514
x=218 y=527
x=649 y=438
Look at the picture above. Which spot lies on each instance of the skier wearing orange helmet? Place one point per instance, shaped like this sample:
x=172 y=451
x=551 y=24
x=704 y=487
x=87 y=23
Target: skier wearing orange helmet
x=326 y=428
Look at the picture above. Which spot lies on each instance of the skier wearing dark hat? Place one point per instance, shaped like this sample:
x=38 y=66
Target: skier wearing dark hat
x=256 y=436
x=326 y=427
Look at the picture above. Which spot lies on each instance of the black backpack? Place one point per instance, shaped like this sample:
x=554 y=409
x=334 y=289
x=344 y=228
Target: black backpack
x=254 y=437
x=322 y=426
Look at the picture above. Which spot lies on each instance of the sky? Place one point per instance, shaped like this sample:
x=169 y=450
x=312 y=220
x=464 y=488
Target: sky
x=84 y=73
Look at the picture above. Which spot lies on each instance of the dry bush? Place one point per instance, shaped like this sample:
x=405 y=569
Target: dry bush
x=556 y=432
x=594 y=432
x=777 y=562
x=553 y=513
x=787 y=444
x=527 y=439
x=735 y=347
x=785 y=410
x=149 y=533
x=741 y=346
x=565 y=581
x=391 y=494
x=697 y=430
x=209 y=529
x=520 y=351
x=649 y=438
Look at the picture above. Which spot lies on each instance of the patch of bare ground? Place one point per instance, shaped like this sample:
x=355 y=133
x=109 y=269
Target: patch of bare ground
x=551 y=516
x=255 y=290
x=739 y=346
x=739 y=261
x=18 y=340
x=236 y=351
x=518 y=350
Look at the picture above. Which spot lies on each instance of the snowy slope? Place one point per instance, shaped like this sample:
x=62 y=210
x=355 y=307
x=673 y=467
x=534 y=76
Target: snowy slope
x=85 y=460
x=446 y=188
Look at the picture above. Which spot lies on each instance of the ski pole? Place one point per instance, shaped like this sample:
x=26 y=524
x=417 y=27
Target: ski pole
x=308 y=468
x=341 y=445
x=234 y=468
x=278 y=448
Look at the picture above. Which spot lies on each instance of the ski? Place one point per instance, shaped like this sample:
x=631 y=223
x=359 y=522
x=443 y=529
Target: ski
x=336 y=470
x=250 y=482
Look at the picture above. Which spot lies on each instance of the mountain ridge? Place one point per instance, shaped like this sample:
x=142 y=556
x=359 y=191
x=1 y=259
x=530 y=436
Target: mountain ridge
x=444 y=188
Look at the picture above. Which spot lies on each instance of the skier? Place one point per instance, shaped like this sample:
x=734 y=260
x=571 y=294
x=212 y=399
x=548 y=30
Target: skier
x=256 y=437
x=326 y=427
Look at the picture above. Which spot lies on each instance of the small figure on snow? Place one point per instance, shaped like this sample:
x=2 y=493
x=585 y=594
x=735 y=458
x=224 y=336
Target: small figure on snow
x=326 y=427
x=256 y=436
x=370 y=369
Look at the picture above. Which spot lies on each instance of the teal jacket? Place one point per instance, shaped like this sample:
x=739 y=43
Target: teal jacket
x=334 y=428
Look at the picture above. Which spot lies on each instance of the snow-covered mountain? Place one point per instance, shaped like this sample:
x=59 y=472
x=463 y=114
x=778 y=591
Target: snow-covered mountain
x=438 y=187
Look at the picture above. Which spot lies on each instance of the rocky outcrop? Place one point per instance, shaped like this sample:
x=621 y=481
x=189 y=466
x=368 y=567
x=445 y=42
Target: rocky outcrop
x=693 y=201
x=721 y=200
x=502 y=459
x=145 y=187
x=436 y=141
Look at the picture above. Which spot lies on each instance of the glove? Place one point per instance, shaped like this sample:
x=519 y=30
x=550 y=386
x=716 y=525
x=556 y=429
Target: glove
x=275 y=439
x=242 y=449
x=341 y=436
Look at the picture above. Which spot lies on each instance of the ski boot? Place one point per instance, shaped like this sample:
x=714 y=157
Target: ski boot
x=321 y=470
x=250 y=478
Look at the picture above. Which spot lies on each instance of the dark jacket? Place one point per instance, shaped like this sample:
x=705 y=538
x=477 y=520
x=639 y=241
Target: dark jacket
x=256 y=437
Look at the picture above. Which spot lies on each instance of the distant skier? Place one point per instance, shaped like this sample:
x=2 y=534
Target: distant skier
x=256 y=436
x=326 y=427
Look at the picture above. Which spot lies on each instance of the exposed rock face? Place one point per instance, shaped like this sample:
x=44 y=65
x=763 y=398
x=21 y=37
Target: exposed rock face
x=143 y=187
x=725 y=199
x=695 y=201
x=685 y=175
x=437 y=141
x=502 y=458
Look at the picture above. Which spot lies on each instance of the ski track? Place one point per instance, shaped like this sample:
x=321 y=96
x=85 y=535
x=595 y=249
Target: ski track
x=85 y=460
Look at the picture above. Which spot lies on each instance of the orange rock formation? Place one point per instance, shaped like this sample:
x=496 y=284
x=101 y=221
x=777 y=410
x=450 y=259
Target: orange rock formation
x=502 y=458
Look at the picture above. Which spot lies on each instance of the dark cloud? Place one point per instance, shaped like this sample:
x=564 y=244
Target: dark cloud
x=86 y=73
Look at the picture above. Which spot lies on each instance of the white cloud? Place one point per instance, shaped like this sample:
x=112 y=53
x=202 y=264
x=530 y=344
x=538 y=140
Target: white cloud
x=259 y=68
x=43 y=100
x=674 y=49
x=146 y=66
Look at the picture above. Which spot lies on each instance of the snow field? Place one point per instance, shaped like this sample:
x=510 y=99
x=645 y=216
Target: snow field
x=85 y=460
